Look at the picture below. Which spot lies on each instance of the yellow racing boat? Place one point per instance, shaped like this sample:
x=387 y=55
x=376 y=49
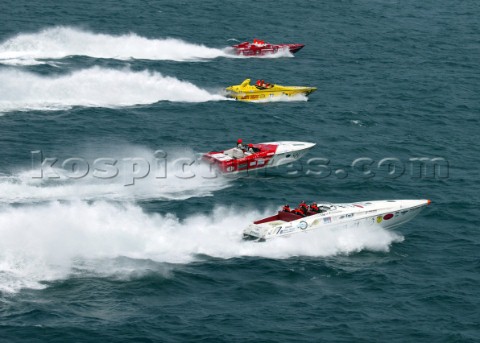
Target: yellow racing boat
x=263 y=91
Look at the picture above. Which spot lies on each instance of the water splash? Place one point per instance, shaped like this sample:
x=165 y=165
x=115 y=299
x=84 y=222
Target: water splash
x=94 y=87
x=165 y=178
x=62 y=42
x=53 y=241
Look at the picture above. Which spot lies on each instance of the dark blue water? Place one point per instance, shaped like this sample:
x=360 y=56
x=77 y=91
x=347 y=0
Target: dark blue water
x=90 y=259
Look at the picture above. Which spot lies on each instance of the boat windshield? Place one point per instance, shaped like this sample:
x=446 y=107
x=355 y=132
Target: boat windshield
x=326 y=206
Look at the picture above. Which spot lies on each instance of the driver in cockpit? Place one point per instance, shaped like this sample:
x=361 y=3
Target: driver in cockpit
x=240 y=144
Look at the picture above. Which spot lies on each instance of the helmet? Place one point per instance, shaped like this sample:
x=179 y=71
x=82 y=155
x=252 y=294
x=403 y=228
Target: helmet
x=239 y=141
x=250 y=145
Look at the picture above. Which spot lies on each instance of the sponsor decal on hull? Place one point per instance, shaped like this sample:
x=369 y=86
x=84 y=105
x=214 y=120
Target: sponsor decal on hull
x=286 y=230
x=388 y=216
x=302 y=225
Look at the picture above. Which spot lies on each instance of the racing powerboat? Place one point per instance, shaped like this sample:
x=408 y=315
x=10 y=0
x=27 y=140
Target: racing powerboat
x=257 y=156
x=262 y=91
x=260 y=48
x=387 y=214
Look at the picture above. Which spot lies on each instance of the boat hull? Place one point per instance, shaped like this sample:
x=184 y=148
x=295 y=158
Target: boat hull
x=247 y=92
x=267 y=155
x=268 y=95
x=250 y=49
x=386 y=214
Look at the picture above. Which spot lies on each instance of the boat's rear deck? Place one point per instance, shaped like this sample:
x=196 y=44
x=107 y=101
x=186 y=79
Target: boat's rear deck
x=280 y=216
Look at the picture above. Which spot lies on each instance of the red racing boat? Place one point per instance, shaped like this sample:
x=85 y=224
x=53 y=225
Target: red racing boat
x=257 y=156
x=260 y=48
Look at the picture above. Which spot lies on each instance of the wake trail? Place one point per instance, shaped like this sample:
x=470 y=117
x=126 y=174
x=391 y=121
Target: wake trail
x=165 y=179
x=58 y=240
x=62 y=42
x=94 y=87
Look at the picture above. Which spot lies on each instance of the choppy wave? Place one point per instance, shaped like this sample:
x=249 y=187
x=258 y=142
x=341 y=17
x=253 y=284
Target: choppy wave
x=55 y=240
x=61 y=42
x=94 y=87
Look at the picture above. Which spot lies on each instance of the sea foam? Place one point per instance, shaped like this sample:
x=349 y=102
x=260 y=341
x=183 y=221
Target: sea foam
x=94 y=87
x=56 y=240
x=62 y=42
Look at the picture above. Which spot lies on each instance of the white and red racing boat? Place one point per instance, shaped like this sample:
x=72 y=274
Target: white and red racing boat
x=257 y=156
x=387 y=214
x=260 y=48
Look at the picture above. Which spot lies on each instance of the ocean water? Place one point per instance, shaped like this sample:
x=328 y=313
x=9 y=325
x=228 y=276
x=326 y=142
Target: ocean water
x=89 y=259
